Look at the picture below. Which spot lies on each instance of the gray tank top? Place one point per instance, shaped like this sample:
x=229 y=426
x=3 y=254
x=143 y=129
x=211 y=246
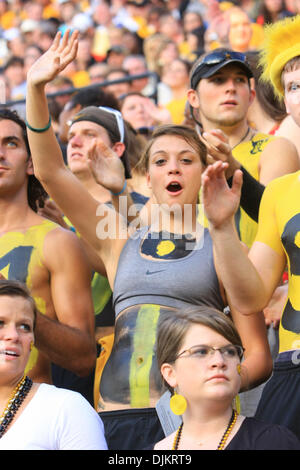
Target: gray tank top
x=177 y=283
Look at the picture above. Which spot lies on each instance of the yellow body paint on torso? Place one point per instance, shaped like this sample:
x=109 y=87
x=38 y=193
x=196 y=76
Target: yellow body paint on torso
x=21 y=258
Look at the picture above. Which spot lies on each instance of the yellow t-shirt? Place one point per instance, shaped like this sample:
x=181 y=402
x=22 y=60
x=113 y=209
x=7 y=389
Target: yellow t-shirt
x=176 y=109
x=279 y=228
x=248 y=154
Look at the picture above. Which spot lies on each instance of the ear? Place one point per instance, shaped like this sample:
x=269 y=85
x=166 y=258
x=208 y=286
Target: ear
x=148 y=180
x=252 y=96
x=119 y=148
x=30 y=169
x=193 y=98
x=169 y=375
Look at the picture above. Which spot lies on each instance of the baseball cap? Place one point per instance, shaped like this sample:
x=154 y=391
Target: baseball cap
x=111 y=120
x=216 y=60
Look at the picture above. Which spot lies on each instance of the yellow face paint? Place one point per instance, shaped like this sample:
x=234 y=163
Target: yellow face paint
x=165 y=247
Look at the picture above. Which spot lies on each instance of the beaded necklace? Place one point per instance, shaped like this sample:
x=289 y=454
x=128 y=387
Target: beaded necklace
x=242 y=139
x=223 y=439
x=16 y=399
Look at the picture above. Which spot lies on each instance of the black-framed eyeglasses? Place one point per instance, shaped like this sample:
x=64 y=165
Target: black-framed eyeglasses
x=119 y=119
x=203 y=351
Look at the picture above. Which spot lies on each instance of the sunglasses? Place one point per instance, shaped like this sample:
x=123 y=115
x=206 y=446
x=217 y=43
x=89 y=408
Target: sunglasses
x=222 y=56
x=216 y=58
x=119 y=119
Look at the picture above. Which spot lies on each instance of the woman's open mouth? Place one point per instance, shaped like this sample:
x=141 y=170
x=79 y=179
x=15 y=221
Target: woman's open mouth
x=174 y=187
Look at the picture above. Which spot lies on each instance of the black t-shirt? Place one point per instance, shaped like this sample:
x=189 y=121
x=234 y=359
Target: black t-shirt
x=257 y=435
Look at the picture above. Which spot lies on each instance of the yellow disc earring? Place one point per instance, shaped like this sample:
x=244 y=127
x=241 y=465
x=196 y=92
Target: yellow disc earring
x=178 y=404
x=238 y=368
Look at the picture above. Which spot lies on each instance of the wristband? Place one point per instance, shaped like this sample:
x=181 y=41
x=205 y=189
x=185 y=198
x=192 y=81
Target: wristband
x=34 y=129
x=122 y=190
x=251 y=194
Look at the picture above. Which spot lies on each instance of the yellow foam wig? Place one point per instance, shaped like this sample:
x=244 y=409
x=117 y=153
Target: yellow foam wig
x=281 y=44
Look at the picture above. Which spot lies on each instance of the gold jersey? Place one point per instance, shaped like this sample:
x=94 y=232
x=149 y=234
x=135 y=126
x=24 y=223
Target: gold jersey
x=248 y=154
x=279 y=228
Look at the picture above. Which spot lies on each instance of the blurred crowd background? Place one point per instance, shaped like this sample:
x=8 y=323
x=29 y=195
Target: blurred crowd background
x=157 y=39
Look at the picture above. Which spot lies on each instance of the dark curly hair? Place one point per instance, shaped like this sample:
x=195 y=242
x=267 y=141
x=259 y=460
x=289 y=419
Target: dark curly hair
x=35 y=192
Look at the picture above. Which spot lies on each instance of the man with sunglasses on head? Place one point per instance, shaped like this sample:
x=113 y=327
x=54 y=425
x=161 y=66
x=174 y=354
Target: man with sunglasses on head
x=221 y=94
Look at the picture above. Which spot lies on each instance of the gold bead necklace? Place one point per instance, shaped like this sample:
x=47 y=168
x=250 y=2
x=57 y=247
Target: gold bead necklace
x=16 y=399
x=223 y=440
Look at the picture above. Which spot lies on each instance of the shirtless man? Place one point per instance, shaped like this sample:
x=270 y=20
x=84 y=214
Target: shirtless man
x=49 y=259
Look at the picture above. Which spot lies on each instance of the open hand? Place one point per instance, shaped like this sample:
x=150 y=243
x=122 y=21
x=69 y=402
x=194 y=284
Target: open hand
x=220 y=201
x=106 y=166
x=55 y=59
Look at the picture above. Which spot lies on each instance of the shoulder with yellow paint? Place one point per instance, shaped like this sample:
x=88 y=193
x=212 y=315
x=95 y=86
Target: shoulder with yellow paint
x=272 y=164
x=62 y=245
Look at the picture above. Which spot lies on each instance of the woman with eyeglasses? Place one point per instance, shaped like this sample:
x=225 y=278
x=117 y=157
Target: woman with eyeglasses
x=199 y=354
x=153 y=270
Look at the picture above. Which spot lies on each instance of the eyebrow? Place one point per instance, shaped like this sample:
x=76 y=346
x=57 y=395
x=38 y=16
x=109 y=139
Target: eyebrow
x=165 y=152
x=84 y=130
x=11 y=137
x=291 y=82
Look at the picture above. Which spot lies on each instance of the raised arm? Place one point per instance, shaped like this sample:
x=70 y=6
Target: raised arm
x=66 y=190
x=244 y=287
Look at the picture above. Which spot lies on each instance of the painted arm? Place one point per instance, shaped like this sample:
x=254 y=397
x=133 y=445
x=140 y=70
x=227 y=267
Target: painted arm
x=68 y=340
x=74 y=200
